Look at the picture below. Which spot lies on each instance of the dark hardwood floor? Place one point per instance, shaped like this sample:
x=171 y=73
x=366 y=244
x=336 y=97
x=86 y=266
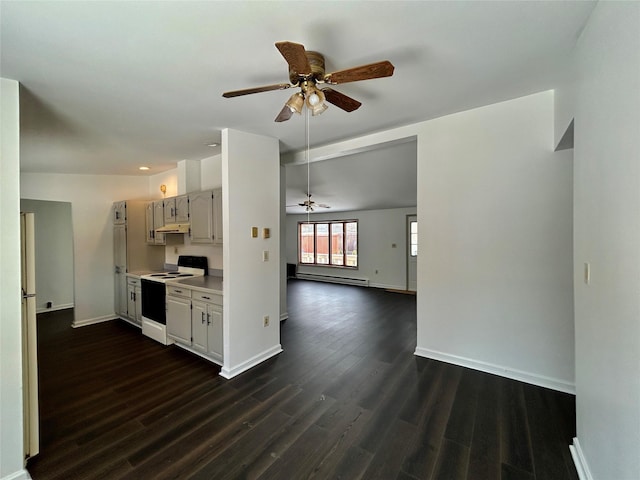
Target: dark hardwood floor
x=346 y=399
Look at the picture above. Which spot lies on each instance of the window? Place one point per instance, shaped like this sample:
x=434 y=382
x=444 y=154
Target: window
x=413 y=245
x=328 y=243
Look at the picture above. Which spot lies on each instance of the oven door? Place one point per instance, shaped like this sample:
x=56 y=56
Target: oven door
x=153 y=301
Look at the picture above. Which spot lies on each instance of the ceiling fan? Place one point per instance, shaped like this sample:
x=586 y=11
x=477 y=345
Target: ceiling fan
x=309 y=204
x=306 y=70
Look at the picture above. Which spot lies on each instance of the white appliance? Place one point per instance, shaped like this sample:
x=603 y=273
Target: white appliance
x=29 y=335
x=154 y=313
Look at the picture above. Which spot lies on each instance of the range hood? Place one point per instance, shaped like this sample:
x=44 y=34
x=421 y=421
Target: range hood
x=174 y=228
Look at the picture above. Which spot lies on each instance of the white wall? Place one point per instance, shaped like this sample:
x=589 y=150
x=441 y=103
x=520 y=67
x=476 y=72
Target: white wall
x=251 y=197
x=11 y=435
x=378 y=231
x=91 y=198
x=211 y=172
x=495 y=270
x=607 y=235
x=54 y=253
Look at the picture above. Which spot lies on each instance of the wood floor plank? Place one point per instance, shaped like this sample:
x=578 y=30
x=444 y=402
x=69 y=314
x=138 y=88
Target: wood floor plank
x=453 y=461
x=484 y=452
x=515 y=436
x=389 y=457
x=422 y=458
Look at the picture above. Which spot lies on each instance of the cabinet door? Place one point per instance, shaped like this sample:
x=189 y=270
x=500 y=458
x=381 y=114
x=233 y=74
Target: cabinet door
x=199 y=325
x=214 y=332
x=121 y=303
x=137 y=298
x=201 y=213
x=169 y=211
x=158 y=221
x=131 y=301
x=182 y=209
x=217 y=216
x=179 y=319
x=120 y=247
x=148 y=221
x=119 y=213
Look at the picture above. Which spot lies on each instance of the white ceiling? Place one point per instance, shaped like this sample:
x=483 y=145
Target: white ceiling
x=110 y=86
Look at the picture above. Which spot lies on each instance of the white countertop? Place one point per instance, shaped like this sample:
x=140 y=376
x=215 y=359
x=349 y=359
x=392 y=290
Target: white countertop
x=206 y=283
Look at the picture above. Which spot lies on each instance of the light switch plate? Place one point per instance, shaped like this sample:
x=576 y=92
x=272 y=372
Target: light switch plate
x=254 y=232
x=266 y=233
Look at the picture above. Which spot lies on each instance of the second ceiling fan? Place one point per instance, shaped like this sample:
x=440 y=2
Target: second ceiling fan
x=306 y=70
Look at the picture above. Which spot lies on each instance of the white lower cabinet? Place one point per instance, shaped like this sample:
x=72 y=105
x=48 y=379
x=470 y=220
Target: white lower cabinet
x=206 y=321
x=134 y=300
x=179 y=314
x=194 y=320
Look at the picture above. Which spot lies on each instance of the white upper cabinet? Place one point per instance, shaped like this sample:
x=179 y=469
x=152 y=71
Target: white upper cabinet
x=158 y=221
x=202 y=213
x=182 y=209
x=148 y=222
x=119 y=213
x=169 y=211
x=217 y=216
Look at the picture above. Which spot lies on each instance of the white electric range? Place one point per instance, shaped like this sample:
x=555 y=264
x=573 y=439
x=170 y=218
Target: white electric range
x=154 y=313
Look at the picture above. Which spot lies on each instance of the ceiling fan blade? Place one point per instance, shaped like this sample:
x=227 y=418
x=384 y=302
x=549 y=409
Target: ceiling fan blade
x=322 y=205
x=340 y=100
x=296 y=57
x=364 y=72
x=284 y=115
x=248 y=91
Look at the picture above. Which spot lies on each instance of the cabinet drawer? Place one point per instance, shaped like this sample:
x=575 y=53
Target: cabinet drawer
x=133 y=281
x=178 y=291
x=207 y=297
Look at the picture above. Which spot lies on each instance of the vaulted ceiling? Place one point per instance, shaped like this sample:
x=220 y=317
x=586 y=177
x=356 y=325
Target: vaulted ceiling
x=110 y=86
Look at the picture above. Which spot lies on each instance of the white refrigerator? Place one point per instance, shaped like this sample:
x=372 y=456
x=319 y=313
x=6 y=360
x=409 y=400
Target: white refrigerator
x=29 y=336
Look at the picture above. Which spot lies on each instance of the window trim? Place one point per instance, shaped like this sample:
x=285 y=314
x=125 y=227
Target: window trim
x=330 y=255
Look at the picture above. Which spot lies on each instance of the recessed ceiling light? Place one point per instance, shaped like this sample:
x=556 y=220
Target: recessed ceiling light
x=212 y=144
x=144 y=168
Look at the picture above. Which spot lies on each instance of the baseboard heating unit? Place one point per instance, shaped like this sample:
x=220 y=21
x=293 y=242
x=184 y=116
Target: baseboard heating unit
x=362 y=282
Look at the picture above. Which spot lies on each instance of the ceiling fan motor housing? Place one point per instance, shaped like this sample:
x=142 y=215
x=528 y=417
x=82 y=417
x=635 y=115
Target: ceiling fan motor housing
x=316 y=62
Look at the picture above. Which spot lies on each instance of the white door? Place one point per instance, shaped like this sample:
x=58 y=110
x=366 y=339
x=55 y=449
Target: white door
x=412 y=252
x=29 y=336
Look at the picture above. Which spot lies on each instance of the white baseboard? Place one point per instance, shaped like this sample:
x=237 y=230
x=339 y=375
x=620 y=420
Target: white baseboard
x=526 y=377
x=19 y=475
x=580 y=461
x=387 y=287
x=362 y=282
x=92 y=321
x=55 y=308
x=252 y=362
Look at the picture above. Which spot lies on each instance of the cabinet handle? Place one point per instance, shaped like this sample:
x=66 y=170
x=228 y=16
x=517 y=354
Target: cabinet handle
x=208 y=319
x=178 y=291
x=206 y=298
x=202 y=313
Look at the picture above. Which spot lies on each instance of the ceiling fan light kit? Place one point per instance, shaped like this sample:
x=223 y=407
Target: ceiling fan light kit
x=306 y=71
